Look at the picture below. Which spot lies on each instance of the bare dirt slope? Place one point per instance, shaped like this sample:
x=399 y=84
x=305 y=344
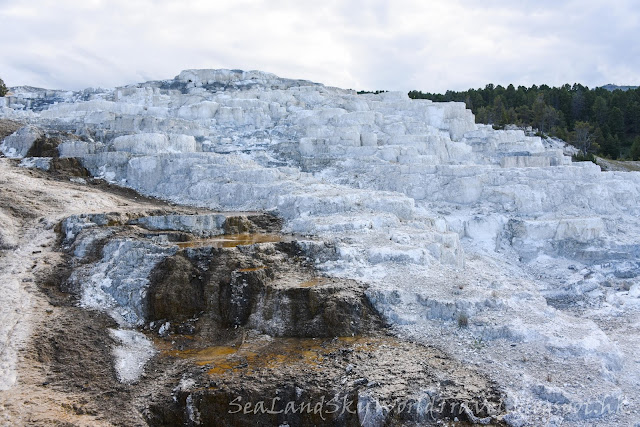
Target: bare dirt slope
x=31 y=204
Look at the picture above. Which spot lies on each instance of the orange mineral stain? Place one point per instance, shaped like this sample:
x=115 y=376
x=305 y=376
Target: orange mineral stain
x=233 y=240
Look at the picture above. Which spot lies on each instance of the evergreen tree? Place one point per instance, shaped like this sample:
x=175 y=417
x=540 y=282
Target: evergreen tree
x=616 y=121
x=611 y=147
x=582 y=137
x=635 y=149
x=600 y=111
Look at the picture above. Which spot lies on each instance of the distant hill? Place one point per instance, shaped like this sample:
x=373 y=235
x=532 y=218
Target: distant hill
x=611 y=87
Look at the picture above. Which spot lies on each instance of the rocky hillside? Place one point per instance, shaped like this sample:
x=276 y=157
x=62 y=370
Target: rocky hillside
x=385 y=215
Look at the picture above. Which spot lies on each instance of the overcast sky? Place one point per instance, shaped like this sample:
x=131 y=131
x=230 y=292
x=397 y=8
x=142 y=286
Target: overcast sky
x=430 y=45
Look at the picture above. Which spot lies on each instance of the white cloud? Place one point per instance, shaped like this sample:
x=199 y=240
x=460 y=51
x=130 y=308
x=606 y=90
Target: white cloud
x=404 y=44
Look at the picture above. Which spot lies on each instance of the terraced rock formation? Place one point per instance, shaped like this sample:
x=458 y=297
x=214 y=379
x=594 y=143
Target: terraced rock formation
x=491 y=244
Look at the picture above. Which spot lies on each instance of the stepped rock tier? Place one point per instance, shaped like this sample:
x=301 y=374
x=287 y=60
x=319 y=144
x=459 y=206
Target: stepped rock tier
x=490 y=244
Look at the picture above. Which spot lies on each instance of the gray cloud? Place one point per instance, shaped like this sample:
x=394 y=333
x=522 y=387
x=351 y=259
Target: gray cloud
x=399 y=45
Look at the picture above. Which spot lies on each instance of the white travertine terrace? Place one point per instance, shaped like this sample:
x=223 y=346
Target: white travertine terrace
x=442 y=217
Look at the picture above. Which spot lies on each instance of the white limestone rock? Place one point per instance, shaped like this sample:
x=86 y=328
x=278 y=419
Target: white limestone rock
x=131 y=354
x=118 y=283
x=154 y=143
x=202 y=225
x=43 y=163
x=18 y=144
